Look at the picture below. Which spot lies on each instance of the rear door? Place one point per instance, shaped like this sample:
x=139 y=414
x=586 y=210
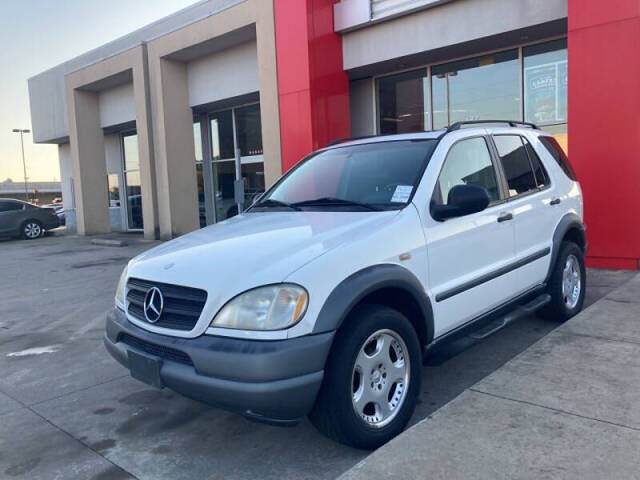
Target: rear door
x=10 y=216
x=467 y=255
x=530 y=199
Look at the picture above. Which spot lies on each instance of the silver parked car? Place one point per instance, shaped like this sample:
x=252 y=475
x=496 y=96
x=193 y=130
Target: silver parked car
x=18 y=218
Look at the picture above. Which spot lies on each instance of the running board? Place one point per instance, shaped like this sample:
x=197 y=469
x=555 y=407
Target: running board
x=517 y=313
x=459 y=341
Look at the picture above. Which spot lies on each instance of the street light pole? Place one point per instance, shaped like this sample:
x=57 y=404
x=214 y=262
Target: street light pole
x=24 y=164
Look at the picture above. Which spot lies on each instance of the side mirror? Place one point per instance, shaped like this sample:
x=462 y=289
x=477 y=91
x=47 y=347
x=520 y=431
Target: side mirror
x=462 y=200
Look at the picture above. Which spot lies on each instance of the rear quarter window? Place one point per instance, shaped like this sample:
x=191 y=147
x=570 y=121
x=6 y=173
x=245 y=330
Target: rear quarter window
x=556 y=151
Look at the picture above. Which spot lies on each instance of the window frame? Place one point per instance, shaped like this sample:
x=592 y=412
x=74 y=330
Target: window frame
x=429 y=66
x=503 y=175
x=498 y=173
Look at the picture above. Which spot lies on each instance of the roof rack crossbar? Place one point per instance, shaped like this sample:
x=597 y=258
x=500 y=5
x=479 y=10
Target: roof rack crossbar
x=512 y=123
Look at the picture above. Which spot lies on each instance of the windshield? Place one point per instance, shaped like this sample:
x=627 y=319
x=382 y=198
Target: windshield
x=374 y=176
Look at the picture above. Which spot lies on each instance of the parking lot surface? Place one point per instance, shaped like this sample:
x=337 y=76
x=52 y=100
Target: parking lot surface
x=67 y=410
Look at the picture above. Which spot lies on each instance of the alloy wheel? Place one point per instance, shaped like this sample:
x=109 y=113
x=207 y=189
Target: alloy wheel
x=380 y=378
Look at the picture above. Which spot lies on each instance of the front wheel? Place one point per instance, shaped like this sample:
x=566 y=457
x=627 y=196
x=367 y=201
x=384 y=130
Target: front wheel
x=567 y=284
x=372 y=379
x=31 y=229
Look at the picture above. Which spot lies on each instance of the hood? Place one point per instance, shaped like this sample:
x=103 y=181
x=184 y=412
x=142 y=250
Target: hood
x=251 y=249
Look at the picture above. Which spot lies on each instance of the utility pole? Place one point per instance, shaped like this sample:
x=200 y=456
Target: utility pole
x=22 y=131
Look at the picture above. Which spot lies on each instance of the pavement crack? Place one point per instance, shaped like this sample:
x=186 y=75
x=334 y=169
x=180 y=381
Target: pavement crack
x=62 y=395
x=557 y=410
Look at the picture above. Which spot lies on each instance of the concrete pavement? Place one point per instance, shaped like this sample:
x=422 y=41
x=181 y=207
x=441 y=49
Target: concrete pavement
x=68 y=410
x=567 y=407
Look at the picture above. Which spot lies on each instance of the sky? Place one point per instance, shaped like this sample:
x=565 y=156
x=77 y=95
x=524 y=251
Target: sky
x=36 y=35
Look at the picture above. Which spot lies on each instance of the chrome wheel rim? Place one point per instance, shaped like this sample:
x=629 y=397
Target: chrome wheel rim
x=32 y=230
x=571 y=282
x=380 y=378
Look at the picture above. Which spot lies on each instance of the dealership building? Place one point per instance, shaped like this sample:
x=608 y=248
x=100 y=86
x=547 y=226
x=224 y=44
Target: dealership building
x=176 y=125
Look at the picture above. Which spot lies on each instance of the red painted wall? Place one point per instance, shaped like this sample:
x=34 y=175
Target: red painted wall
x=313 y=88
x=604 y=125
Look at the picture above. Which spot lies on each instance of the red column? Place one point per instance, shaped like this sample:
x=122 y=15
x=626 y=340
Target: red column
x=604 y=125
x=313 y=88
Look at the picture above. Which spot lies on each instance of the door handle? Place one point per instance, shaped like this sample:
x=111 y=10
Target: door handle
x=555 y=201
x=505 y=217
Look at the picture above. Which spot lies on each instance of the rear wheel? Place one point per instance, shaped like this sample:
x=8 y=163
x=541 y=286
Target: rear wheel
x=372 y=379
x=567 y=285
x=31 y=229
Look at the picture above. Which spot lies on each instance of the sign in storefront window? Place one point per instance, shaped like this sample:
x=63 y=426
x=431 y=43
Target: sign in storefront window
x=545 y=82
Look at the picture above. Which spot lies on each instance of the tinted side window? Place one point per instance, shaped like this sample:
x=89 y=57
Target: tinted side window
x=542 y=178
x=554 y=148
x=10 y=206
x=515 y=163
x=468 y=163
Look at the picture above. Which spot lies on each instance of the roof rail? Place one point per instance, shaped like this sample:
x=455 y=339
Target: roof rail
x=512 y=123
x=348 y=139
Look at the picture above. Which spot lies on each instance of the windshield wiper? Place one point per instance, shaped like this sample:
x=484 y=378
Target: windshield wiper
x=269 y=202
x=330 y=201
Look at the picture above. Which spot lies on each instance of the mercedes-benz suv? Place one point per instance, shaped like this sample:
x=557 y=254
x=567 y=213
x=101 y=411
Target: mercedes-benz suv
x=325 y=296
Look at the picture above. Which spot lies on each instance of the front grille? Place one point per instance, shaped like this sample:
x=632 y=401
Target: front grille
x=157 y=350
x=182 y=305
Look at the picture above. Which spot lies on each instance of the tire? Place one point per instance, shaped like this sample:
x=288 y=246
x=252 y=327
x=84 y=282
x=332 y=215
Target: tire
x=345 y=381
x=31 y=229
x=565 y=302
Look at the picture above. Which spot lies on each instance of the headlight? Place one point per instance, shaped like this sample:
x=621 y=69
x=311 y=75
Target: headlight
x=273 y=307
x=120 y=289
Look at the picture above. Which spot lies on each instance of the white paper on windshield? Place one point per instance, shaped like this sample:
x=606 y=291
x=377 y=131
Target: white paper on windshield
x=402 y=194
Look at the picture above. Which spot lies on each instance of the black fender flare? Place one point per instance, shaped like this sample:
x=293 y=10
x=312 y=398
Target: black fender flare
x=566 y=223
x=348 y=293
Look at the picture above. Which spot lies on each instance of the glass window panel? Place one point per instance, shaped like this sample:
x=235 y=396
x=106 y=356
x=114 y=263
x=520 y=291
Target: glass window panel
x=542 y=179
x=224 y=174
x=403 y=102
x=479 y=88
x=515 y=164
x=253 y=176
x=131 y=161
x=559 y=132
x=134 y=200
x=545 y=82
x=383 y=174
x=114 y=190
x=439 y=100
x=553 y=147
x=201 y=205
x=249 y=130
x=222 y=135
x=468 y=163
x=197 y=141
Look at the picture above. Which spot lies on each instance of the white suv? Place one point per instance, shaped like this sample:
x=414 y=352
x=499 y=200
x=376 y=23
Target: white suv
x=324 y=298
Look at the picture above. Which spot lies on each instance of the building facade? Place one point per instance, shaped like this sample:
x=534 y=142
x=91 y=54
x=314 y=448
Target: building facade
x=177 y=125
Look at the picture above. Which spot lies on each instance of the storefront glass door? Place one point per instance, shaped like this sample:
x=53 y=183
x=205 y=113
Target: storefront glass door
x=131 y=169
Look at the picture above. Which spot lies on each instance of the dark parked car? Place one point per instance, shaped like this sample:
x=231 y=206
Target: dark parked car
x=23 y=219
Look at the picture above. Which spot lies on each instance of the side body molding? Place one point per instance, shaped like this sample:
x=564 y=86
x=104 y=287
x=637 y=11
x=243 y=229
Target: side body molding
x=568 y=222
x=357 y=286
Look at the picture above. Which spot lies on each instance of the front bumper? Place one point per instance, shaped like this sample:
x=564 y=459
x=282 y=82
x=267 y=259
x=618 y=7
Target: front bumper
x=272 y=381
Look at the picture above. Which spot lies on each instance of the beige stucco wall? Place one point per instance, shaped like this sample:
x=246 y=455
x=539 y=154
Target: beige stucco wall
x=159 y=82
x=83 y=88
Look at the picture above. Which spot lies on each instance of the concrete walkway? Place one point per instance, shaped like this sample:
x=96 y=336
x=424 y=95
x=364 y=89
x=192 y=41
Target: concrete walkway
x=567 y=407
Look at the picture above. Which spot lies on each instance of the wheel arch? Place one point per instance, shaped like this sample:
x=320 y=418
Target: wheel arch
x=388 y=284
x=570 y=228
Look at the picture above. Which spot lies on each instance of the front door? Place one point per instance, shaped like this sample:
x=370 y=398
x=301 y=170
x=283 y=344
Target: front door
x=468 y=254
